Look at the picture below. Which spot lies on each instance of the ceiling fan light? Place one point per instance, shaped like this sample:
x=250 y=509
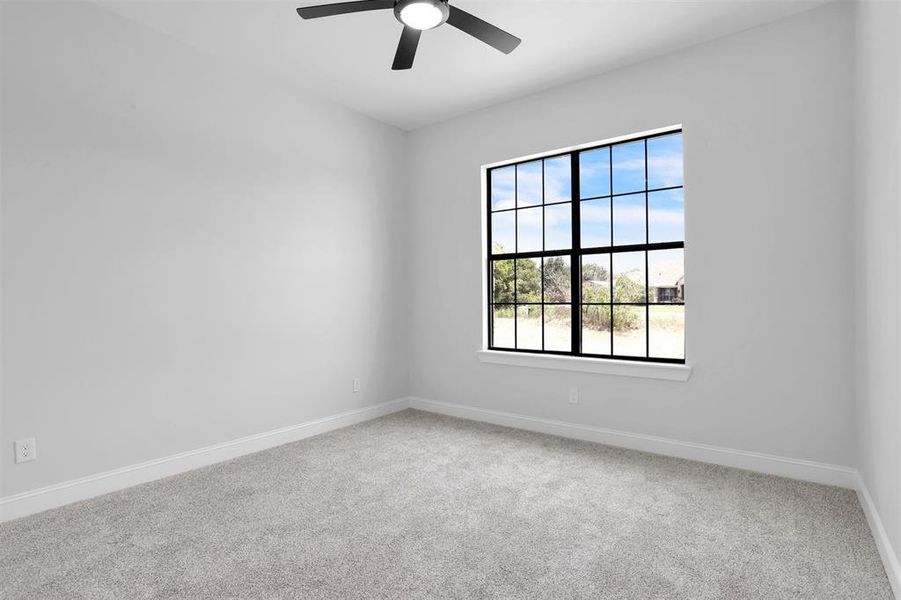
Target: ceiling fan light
x=422 y=15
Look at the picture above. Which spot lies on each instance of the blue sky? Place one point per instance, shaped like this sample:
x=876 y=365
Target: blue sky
x=521 y=186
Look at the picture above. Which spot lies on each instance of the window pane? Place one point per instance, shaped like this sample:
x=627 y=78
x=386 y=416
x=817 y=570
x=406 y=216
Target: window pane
x=503 y=182
x=528 y=327
x=628 y=167
x=666 y=216
x=628 y=277
x=557 y=179
x=528 y=280
x=594 y=173
x=502 y=282
x=558 y=227
x=502 y=326
x=667 y=334
x=666 y=275
x=629 y=337
x=503 y=232
x=595 y=218
x=629 y=220
x=557 y=279
x=557 y=328
x=596 y=278
x=528 y=184
x=596 y=329
x=665 y=161
x=529 y=223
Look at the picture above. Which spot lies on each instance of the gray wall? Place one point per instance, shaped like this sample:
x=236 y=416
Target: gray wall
x=877 y=196
x=190 y=253
x=767 y=123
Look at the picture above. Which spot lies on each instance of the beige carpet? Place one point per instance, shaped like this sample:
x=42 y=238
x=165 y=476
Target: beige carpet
x=415 y=505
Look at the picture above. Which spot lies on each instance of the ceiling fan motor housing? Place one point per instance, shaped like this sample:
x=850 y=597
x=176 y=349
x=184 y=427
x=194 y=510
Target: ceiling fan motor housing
x=441 y=5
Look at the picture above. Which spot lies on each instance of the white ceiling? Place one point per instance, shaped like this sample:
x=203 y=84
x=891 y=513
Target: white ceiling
x=348 y=58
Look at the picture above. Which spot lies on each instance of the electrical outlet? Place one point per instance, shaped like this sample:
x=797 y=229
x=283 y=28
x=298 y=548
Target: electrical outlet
x=356 y=384
x=573 y=396
x=26 y=450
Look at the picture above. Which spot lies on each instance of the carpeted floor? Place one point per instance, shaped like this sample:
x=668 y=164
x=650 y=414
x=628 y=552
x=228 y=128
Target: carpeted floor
x=415 y=505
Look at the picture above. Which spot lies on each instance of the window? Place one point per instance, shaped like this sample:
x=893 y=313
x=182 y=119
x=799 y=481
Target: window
x=585 y=252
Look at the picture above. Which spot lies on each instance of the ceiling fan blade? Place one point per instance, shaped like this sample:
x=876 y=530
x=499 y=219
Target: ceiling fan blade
x=406 y=49
x=343 y=8
x=482 y=30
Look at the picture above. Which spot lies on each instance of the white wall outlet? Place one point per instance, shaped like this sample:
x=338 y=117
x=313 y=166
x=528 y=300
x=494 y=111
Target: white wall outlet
x=356 y=384
x=26 y=450
x=573 y=396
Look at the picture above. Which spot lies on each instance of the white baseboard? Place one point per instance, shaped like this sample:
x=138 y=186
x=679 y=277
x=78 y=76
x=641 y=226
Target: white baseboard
x=888 y=554
x=750 y=461
x=26 y=503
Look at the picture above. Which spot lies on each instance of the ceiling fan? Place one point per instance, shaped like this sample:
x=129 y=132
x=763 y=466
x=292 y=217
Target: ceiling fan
x=416 y=17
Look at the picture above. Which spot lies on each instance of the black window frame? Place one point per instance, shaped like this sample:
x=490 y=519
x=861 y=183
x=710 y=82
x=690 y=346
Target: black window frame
x=576 y=252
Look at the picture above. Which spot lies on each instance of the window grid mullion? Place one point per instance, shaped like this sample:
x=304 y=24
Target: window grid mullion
x=612 y=241
x=515 y=261
x=647 y=273
x=575 y=261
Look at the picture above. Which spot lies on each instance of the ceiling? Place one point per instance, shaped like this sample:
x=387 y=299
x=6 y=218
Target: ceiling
x=348 y=58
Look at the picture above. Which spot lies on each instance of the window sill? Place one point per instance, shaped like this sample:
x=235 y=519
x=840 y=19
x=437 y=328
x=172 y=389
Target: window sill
x=605 y=366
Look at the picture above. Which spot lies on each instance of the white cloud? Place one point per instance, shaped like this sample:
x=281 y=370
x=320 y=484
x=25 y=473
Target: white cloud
x=665 y=171
x=595 y=211
x=667 y=217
